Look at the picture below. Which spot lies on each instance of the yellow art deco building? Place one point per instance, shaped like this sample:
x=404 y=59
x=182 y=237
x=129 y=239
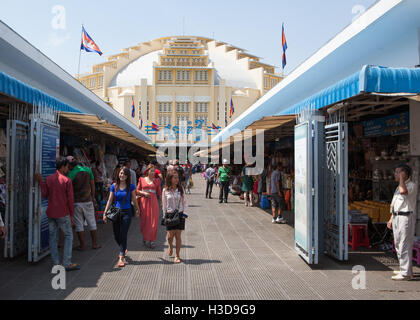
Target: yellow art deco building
x=181 y=80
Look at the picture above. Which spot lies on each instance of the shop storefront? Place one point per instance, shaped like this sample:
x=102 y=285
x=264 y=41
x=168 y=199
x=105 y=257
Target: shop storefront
x=358 y=123
x=44 y=113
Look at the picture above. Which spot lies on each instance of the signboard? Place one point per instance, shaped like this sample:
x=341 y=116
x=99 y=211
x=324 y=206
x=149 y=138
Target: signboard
x=394 y=125
x=302 y=194
x=50 y=144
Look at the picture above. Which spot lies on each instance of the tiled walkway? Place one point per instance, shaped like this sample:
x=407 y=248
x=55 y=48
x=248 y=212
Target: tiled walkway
x=230 y=252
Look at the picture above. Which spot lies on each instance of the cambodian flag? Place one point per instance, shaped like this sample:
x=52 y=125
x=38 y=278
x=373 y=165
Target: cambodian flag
x=133 y=109
x=284 y=45
x=88 y=44
x=232 y=109
x=155 y=127
x=141 y=123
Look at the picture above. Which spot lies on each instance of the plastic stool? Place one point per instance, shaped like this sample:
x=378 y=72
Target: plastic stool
x=99 y=215
x=265 y=203
x=358 y=236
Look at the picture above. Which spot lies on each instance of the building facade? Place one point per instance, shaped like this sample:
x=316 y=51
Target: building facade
x=175 y=82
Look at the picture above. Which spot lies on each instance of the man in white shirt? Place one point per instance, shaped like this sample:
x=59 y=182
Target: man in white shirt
x=403 y=221
x=2 y=229
x=209 y=175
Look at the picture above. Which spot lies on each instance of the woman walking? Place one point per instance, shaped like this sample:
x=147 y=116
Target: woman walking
x=147 y=188
x=173 y=198
x=123 y=192
x=247 y=186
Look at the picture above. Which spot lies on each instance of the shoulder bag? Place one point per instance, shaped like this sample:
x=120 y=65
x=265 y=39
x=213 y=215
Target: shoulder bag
x=174 y=218
x=113 y=214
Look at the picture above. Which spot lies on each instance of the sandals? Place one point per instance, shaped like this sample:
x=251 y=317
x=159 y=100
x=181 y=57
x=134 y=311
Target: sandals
x=152 y=245
x=121 y=263
x=170 y=251
x=177 y=260
x=73 y=267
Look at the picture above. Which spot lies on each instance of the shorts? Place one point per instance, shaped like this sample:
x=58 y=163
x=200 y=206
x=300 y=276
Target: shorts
x=277 y=201
x=84 y=211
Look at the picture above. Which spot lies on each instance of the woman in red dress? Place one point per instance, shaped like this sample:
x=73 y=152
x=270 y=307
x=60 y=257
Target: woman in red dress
x=148 y=189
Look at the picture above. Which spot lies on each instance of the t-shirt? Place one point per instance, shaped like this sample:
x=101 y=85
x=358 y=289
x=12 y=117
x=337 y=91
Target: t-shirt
x=275 y=176
x=120 y=196
x=81 y=177
x=224 y=174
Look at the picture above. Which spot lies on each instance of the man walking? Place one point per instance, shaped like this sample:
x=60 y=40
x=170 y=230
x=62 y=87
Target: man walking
x=58 y=190
x=223 y=175
x=84 y=200
x=403 y=221
x=277 y=196
x=209 y=175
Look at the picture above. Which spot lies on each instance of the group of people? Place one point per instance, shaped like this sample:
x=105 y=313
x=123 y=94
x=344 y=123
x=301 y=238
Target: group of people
x=71 y=196
x=251 y=190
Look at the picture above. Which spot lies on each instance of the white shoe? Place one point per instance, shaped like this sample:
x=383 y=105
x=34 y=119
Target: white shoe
x=400 y=277
x=281 y=220
x=396 y=272
x=273 y=220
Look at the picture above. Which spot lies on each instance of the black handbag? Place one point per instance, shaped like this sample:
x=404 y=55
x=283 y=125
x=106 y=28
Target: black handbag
x=113 y=214
x=174 y=218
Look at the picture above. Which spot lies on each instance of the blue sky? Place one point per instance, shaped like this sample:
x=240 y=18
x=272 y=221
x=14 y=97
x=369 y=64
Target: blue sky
x=251 y=25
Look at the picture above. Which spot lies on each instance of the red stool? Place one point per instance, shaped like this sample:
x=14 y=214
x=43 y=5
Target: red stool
x=99 y=215
x=358 y=236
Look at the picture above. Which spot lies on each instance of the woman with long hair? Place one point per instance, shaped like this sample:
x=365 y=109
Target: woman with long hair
x=173 y=198
x=148 y=187
x=123 y=191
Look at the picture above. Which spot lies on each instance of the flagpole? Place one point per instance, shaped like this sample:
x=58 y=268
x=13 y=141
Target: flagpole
x=80 y=54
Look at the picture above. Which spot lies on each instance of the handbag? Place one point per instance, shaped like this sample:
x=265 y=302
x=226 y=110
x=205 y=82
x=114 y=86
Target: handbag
x=172 y=219
x=113 y=214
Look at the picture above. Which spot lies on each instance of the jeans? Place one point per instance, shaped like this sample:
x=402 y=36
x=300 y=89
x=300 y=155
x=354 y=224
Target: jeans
x=120 y=228
x=65 y=225
x=209 y=188
x=224 y=190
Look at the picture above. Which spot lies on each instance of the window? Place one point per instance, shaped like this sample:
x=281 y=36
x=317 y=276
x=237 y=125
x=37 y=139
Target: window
x=165 y=107
x=265 y=82
x=165 y=75
x=203 y=118
x=182 y=118
x=201 y=107
x=218 y=111
x=100 y=81
x=183 y=107
x=273 y=82
x=164 y=120
x=201 y=75
x=148 y=109
x=92 y=82
x=84 y=82
x=183 y=75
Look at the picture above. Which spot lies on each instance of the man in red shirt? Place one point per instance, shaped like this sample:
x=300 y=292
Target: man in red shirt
x=58 y=189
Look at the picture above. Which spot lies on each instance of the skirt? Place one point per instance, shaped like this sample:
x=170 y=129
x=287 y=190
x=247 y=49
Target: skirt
x=180 y=226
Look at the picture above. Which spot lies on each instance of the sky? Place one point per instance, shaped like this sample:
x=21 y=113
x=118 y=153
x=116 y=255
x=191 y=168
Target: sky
x=54 y=27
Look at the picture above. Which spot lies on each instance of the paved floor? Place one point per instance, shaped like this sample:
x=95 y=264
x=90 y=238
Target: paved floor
x=230 y=252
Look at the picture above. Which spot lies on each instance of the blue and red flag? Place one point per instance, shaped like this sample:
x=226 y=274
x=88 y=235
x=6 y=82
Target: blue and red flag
x=284 y=45
x=88 y=44
x=232 y=109
x=133 y=109
x=155 y=127
x=213 y=126
x=141 y=123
